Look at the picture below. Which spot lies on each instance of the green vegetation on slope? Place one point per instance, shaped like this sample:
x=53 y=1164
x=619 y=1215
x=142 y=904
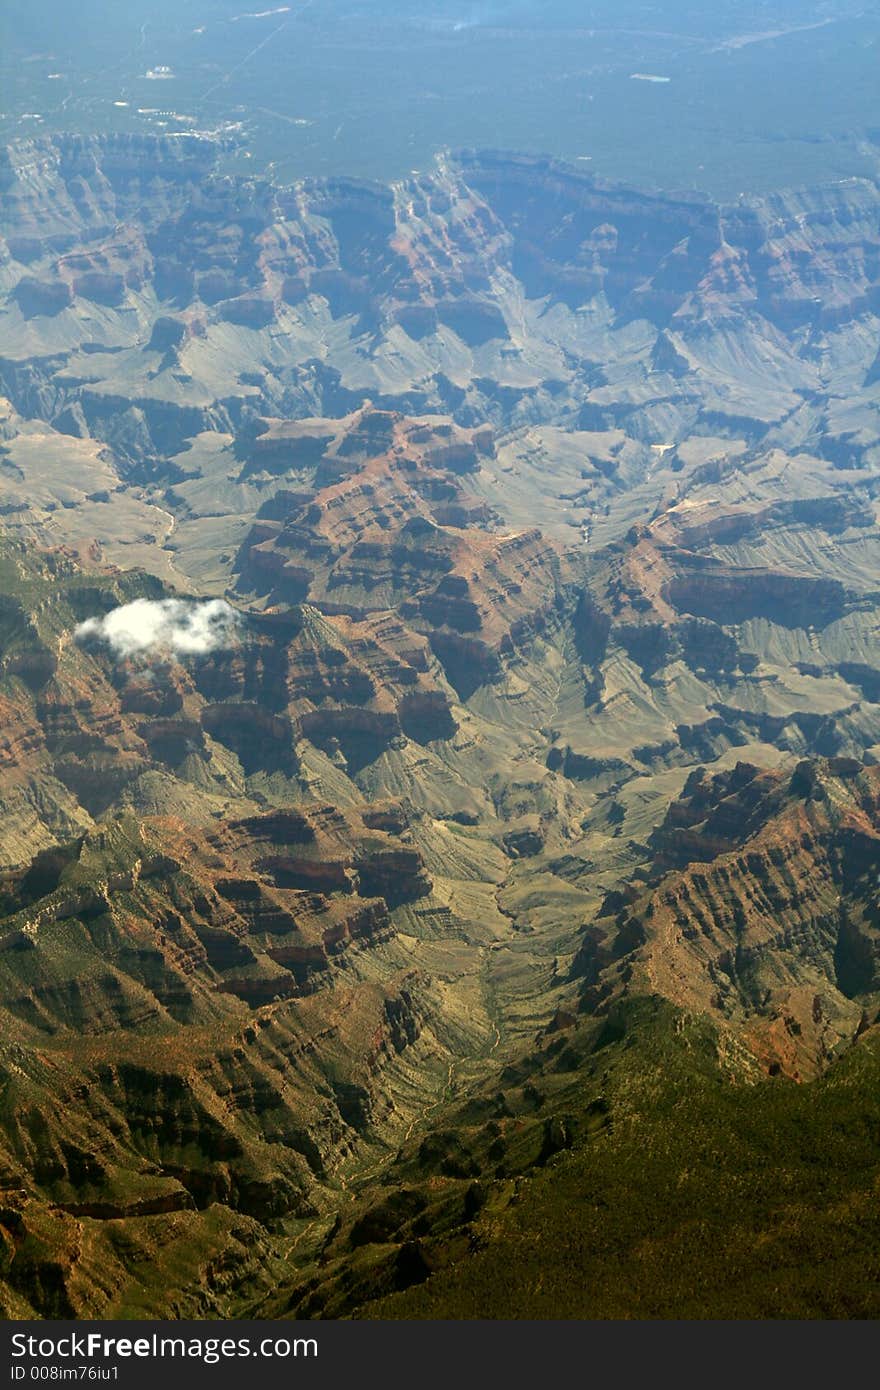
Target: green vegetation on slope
x=688 y=1190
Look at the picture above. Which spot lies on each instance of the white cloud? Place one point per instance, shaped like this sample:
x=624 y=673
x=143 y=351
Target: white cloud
x=182 y=627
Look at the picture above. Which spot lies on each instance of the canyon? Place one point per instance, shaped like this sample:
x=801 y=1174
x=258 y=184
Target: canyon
x=528 y=800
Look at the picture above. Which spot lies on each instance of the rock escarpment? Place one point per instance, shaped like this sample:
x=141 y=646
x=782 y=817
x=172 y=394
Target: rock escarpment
x=179 y=1040
x=759 y=910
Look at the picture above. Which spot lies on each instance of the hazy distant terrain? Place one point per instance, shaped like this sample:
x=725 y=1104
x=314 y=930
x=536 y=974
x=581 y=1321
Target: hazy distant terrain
x=754 y=96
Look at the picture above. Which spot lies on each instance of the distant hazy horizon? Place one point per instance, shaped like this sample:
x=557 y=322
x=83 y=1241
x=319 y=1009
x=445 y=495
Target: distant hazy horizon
x=736 y=97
